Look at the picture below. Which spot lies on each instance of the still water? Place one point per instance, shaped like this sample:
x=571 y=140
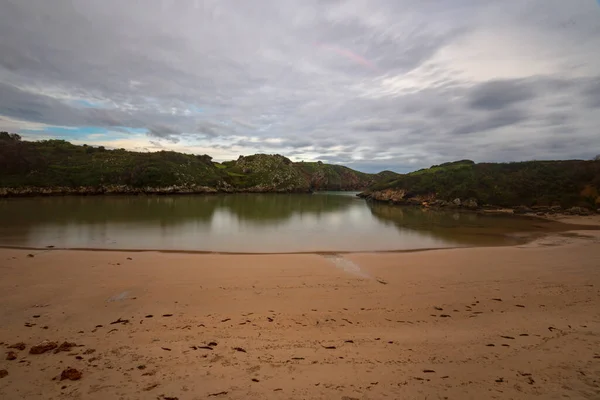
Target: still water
x=253 y=223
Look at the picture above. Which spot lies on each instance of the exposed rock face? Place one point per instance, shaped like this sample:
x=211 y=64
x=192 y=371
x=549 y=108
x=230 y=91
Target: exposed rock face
x=578 y=211
x=107 y=190
x=522 y=210
x=470 y=204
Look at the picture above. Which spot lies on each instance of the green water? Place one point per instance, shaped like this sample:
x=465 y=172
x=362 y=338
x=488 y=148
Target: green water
x=328 y=221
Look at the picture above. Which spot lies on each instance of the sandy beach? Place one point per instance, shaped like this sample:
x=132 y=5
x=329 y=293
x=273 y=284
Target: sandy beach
x=484 y=323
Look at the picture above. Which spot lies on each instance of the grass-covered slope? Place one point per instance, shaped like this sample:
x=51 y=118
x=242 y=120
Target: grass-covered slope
x=532 y=183
x=53 y=164
x=334 y=177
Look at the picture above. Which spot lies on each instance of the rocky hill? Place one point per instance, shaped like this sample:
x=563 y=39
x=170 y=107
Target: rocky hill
x=59 y=167
x=539 y=185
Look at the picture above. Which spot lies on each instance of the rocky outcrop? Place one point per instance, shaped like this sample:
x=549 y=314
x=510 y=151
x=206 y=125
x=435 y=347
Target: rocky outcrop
x=403 y=197
x=105 y=190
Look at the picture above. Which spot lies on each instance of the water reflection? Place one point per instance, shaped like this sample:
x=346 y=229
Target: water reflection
x=244 y=223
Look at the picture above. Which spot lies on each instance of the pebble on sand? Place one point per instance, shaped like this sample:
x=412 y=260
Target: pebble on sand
x=71 y=374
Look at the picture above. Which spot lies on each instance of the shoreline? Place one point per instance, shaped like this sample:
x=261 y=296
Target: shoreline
x=508 y=322
x=361 y=325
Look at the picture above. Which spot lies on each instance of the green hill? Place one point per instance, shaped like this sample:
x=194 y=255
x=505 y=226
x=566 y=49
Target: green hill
x=57 y=166
x=571 y=183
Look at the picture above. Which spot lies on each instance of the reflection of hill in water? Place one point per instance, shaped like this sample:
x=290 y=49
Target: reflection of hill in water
x=462 y=227
x=165 y=211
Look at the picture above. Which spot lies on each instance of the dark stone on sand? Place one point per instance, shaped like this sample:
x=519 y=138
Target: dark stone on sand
x=30 y=255
x=444 y=316
x=212 y=344
x=71 y=374
x=439 y=308
x=167 y=315
x=11 y=355
x=507 y=337
x=348 y=341
x=217 y=394
x=497 y=299
x=255 y=380
x=65 y=346
x=43 y=347
x=382 y=281
x=205 y=347
x=120 y=321
x=3 y=373
x=141 y=367
x=241 y=350
x=18 y=346
x=36 y=316
x=329 y=347
x=226 y=319
x=166 y=348
x=79 y=358
x=519 y=305
x=490 y=345
x=428 y=371
x=149 y=316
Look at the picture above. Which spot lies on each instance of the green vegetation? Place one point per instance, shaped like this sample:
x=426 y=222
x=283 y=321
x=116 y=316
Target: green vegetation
x=532 y=183
x=57 y=163
x=334 y=177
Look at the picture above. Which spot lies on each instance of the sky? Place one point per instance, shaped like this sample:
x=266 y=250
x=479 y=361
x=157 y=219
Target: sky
x=371 y=84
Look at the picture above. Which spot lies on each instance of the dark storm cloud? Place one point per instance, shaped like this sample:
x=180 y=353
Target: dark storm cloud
x=368 y=83
x=496 y=95
x=492 y=120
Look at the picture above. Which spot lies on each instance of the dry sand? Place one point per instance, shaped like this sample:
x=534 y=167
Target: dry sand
x=486 y=323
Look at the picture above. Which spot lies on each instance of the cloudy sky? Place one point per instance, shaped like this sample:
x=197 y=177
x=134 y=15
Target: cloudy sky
x=372 y=84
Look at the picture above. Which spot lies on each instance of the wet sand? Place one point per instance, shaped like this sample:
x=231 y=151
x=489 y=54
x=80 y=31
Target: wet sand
x=496 y=323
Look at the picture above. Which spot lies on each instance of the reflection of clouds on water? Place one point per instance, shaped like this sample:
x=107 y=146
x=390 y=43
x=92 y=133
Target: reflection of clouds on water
x=245 y=223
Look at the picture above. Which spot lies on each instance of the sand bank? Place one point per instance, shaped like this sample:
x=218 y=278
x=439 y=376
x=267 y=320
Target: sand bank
x=506 y=322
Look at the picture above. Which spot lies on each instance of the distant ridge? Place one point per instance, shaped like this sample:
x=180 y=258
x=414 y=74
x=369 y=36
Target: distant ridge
x=52 y=167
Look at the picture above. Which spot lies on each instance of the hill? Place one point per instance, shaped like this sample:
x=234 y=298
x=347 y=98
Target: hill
x=59 y=167
x=571 y=183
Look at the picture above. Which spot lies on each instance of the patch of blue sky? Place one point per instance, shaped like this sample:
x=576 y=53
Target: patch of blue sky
x=85 y=133
x=135 y=131
x=74 y=132
x=195 y=109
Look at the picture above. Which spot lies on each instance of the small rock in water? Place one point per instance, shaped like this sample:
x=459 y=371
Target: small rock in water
x=71 y=374
x=43 y=347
